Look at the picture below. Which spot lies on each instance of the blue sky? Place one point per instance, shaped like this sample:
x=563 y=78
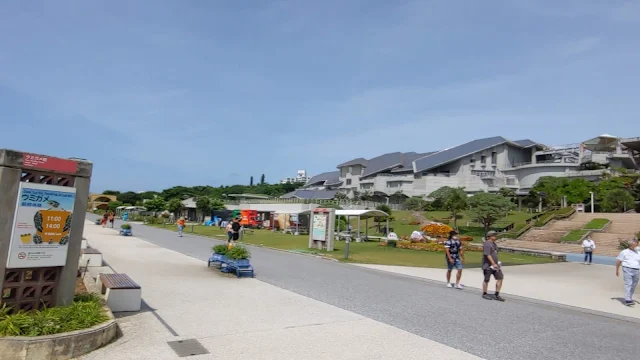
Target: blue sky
x=162 y=93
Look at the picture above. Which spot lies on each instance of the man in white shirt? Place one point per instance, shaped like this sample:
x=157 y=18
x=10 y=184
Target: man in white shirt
x=588 y=245
x=629 y=259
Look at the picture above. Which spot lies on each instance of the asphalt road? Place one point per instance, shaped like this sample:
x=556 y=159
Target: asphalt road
x=515 y=329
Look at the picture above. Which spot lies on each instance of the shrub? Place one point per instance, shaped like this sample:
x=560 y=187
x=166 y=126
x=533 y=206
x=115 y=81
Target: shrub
x=220 y=249
x=466 y=238
x=85 y=311
x=238 y=252
x=392 y=243
x=125 y=226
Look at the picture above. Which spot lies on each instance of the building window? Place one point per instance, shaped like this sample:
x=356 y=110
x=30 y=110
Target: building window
x=494 y=158
x=483 y=159
x=348 y=181
x=472 y=161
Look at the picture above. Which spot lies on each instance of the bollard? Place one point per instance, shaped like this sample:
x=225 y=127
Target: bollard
x=164 y=224
x=192 y=228
x=346 y=248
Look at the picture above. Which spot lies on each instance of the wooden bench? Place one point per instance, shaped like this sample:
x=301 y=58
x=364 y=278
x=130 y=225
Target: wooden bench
x=120 y=291
x=90 y=257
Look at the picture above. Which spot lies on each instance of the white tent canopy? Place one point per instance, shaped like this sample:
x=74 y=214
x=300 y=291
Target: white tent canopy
x=293 y=212
x=364 y=214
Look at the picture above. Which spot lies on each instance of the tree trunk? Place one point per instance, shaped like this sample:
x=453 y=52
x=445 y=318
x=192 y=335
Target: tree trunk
x=455 y=220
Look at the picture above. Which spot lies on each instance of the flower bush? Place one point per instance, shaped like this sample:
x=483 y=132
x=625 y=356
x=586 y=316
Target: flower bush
x=436 y=230
x=466 y=238
x=432 y=246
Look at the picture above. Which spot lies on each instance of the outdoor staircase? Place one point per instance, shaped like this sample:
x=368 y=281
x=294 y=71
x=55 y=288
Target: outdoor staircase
x=554 y=231
x=622 y=227
x=540 y=246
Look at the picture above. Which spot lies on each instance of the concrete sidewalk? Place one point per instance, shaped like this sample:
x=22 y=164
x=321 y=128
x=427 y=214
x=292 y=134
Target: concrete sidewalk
x=238 y=318
x=592 y=287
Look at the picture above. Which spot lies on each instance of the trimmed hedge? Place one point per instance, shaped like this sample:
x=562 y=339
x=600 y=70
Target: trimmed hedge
x=554 y=215
x=596 y=224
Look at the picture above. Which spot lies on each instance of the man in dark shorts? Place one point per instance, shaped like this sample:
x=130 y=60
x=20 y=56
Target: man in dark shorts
x=491 y=266
x=455 y=258
x=235 y=227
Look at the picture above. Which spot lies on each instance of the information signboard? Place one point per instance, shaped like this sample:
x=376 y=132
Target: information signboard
x=41 y=226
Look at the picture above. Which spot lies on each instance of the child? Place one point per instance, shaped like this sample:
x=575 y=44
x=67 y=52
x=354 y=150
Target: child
x=181 y=223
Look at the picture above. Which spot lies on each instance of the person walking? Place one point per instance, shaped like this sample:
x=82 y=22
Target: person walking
x=629 y=259
x=455 y=258
x=181 y=222
x=588 y=245
x=229 y=229
x=105 y=218
x=491 y=266
x=112 y=218
x=235 y=227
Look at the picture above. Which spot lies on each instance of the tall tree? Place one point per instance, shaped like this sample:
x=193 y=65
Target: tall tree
x=155 y=205
x=203 y=205
x=380 y=219
x=577 y=190
x=451 y=199
x=618 y=200
x=175 y=206
x=262 y=179
x=113 y=205
x=251 y=181
x=488 y=208
x=217 y=204
x=129 y=197
x=110 y=192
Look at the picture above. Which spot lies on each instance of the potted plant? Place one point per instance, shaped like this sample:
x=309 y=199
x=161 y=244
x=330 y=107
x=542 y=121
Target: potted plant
x=219 y=252
x=239 y=255
x=125 y=230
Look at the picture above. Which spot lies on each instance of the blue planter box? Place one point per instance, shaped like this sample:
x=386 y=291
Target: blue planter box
x=218 y=257
x=126 y=232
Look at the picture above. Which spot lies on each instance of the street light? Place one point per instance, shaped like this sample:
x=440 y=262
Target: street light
x=591 y=192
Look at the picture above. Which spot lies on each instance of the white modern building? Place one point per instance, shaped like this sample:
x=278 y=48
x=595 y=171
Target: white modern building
x=301 y=177
x=483 y=165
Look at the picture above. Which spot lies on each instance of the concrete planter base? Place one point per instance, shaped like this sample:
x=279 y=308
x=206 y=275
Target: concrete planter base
x=60 y=346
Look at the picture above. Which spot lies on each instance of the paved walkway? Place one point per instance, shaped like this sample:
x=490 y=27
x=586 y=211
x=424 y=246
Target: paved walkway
x=593 y=287
x=519 y=329
x=239 y=318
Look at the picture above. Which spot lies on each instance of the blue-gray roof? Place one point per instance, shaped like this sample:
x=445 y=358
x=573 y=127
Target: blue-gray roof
x=328 y=178
x=446 y=156
x=396 y=161
x=311 y=194
x=526 y=143
x=358 y=161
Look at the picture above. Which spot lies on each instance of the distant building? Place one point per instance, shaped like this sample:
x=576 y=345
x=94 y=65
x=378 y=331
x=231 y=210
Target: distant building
x=301 y=177
x=483 y=165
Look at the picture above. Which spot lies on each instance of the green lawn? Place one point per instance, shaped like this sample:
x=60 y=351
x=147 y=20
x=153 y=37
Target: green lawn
x=401 y=226
x=574 y=235
x=596 y=224
x=364 y=253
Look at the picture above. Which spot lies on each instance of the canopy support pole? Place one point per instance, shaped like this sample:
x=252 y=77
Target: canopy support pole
x=358 y=236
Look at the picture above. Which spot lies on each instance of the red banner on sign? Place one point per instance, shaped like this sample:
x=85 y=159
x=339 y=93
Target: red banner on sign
x=49 y=163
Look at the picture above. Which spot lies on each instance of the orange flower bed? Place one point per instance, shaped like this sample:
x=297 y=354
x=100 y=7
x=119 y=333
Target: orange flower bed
x=432 y=247
x=436 y=230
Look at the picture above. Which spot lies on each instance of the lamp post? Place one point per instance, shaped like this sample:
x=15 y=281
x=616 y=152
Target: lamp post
x=591 y=192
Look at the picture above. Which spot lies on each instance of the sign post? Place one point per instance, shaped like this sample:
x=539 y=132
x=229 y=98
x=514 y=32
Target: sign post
x=40 y=238
x=322 y=229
